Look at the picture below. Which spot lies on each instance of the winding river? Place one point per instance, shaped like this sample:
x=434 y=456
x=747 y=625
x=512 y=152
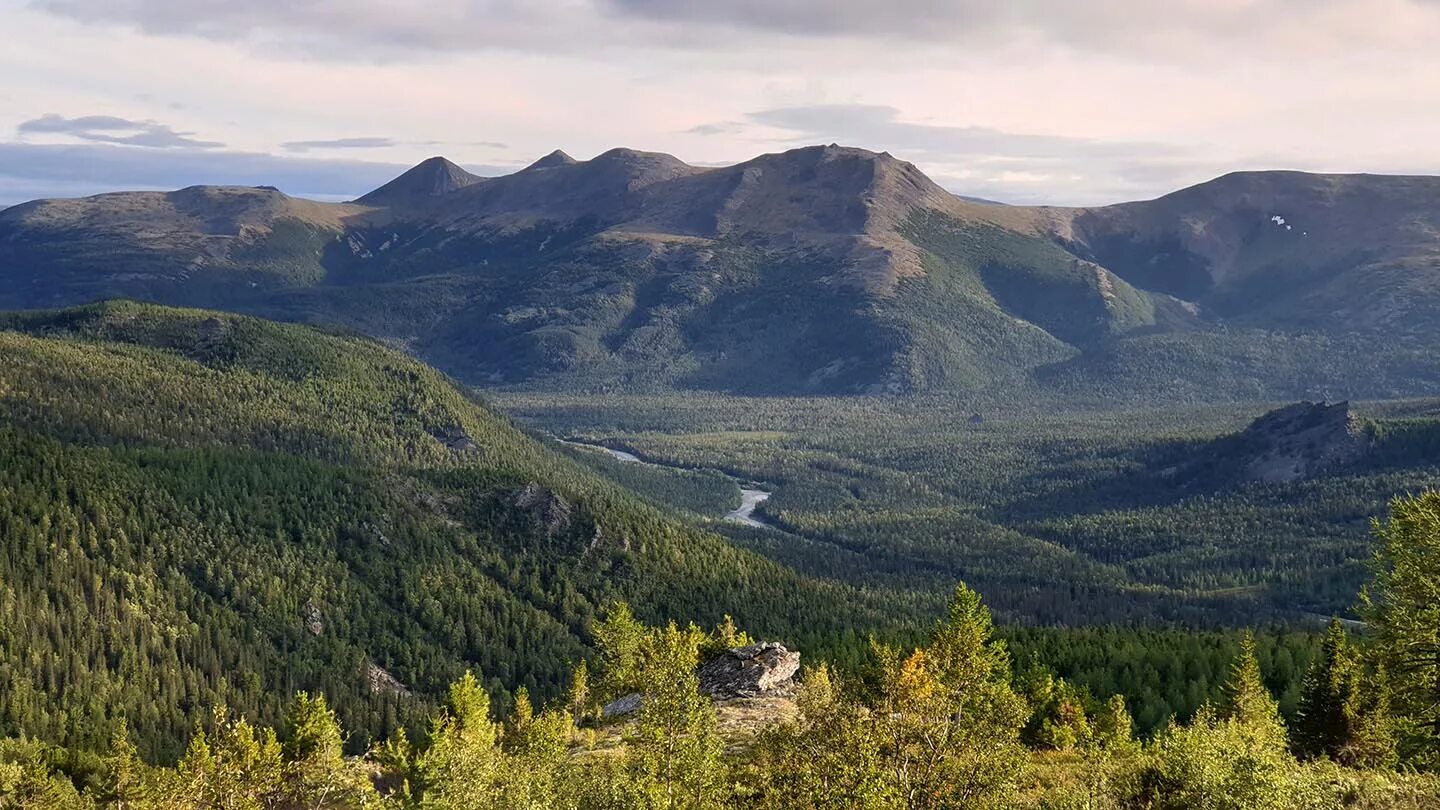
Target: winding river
x=749 y=498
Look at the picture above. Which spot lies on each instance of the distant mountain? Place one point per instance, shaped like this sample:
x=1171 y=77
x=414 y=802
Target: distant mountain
x=430 y=178
x=818 y=270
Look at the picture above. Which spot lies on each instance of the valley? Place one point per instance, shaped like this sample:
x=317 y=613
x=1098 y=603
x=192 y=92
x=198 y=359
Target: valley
x=750 y=499
x=1082 y=516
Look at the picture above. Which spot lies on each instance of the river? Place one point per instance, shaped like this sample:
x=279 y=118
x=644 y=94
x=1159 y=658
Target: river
x=749 y=498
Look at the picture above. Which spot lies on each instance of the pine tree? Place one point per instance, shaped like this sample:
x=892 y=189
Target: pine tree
x=461 y=765
x=949 y=715
x=1344 y=712
x=396 y=760
x=234 y=766
x=318 y=775
x=1113 y=726
x=1402 y=609
x=1320 y=728
x=1234 y=758
x=1247 y=701
x=619 y=638
x=125 y=785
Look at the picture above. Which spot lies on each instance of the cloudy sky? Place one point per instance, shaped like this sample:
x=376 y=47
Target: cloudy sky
x=1062 y=101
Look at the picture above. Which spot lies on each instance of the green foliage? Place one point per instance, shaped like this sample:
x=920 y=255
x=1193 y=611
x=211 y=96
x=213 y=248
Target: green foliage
x=318 y=774
x=1218 y=764
x=232 y=765
x=938 y=728
x=1053 y=514
x=1234 y=759
x=620 y=639
x=1344 y=710
x=673 y=750
x=578 y=699
x=1402 y=608
x=948 y=716
x=204 y=509
x=831 y=757
x=1247 y=700
x=1058 y=719
x=461 y=766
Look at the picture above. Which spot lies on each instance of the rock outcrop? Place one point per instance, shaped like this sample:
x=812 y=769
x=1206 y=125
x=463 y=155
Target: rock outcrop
x=550 y=513
x=455 y=439
x=314 y=619
x=1300 y=440
x=381 y=681
x=749 y=671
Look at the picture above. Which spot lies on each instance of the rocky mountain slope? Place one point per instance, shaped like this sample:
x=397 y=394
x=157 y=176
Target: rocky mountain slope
x=818 y=270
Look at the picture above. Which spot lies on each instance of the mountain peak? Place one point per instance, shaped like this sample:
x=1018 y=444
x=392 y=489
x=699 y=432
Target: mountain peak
x=622 y=156
x=556 y=158
x=429 y=178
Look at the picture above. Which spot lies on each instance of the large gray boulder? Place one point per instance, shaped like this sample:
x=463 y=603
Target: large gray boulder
x=749 y=671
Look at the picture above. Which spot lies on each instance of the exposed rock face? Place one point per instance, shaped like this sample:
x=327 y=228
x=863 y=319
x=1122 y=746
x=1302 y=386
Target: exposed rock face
x=1300 y=440
x=628 y=704
x=314 y=620
x=550 y=512
x=758 y=670
x=382 y=681
x=749 y=671
x=455 y=439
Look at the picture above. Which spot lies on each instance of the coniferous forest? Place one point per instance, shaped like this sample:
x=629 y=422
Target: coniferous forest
x=247 y=564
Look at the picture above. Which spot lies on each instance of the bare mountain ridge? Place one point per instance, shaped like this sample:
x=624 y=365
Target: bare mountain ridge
x=636 y=269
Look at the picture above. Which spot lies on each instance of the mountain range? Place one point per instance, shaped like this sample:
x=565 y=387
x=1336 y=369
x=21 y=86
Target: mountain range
x=821 y=270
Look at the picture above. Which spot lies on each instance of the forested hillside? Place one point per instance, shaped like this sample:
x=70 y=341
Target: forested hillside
x=201 y=509
x=947 y=724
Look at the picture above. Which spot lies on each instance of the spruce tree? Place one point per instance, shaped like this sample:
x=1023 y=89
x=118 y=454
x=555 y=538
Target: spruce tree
x=1402 y=607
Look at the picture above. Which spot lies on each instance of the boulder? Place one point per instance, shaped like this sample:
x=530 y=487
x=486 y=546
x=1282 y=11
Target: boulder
x=628 y=704
x=749 y=671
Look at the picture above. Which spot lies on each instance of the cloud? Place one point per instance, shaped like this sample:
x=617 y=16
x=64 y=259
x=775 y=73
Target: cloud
x=716 y=128
x=339 y=143
x=879 y=124
x=1009 y=166
x=568 y=25
x=29 y=171
x=110 y=129
x=445 y=25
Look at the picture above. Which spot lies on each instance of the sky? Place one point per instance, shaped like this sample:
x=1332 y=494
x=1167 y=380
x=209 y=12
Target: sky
x=1070 y=102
